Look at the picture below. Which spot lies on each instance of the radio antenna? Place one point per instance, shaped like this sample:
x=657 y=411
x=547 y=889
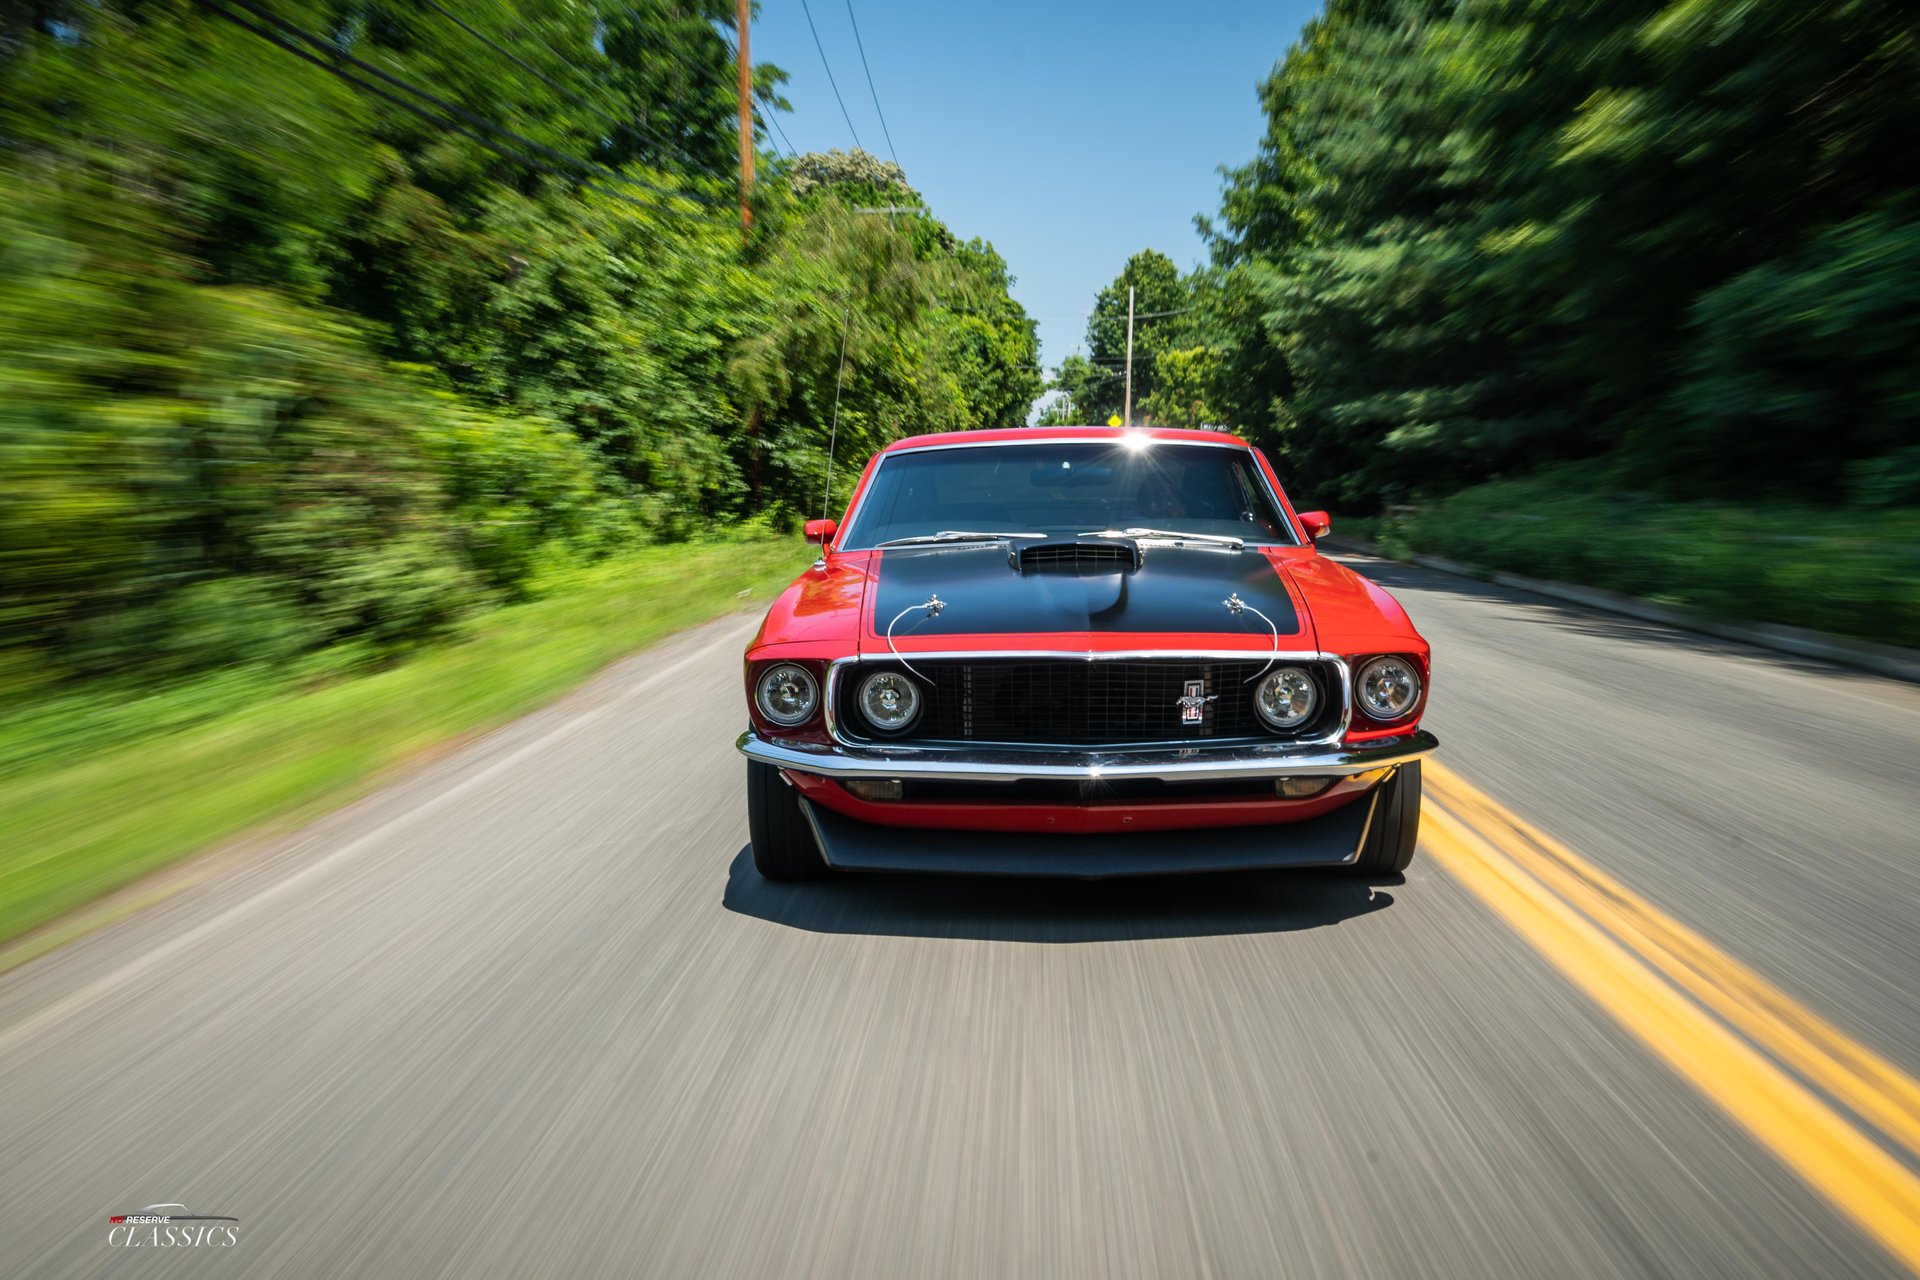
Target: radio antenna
x=826 y=494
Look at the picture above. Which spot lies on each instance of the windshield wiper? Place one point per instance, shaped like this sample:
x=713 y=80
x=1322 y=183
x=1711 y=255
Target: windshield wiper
x=1170 y=535
x=954 y=535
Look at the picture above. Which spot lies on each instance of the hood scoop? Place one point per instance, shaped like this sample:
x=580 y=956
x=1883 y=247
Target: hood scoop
x=1075 y=557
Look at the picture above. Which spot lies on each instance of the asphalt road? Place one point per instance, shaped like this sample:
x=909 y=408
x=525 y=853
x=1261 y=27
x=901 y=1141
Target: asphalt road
x=531 y=1012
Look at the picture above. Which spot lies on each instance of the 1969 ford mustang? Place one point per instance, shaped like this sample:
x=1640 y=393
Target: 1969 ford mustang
x=1081 y=652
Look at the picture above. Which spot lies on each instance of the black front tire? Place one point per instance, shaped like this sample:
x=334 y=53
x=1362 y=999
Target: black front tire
x=783 y=843
x=1395 y=828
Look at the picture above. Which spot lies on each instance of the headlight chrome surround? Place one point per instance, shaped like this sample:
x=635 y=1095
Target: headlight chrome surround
x=1286 y=698
x=1387 y=688
x=787 y=694
x=889 y=701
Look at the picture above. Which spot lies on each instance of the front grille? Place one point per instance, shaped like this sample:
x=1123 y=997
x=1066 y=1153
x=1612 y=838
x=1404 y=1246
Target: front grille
x=1075 y=702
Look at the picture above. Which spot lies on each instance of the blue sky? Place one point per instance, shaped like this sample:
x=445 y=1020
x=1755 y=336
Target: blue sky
x=1068 y=133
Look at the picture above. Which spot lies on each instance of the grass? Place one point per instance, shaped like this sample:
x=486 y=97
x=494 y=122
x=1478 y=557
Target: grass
x=97 y=792
x=1850 y=570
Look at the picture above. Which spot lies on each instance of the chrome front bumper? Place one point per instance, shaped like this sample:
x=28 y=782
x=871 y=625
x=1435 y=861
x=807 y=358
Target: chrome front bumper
x=1172 y=764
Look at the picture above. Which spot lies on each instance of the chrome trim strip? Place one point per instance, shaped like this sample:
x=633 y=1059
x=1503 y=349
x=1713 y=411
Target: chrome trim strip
x=1278 y=760
x=831 y=693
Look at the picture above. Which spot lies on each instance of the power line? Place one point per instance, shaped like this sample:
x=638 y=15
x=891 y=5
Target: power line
x=771 y=117
x=1155 y=315
x=782 y=145
x=437 y=122
x=830 y=80
x=861 y=46
x=450 y=109
x=628 y=121
x=585 y=166
x=522 y=63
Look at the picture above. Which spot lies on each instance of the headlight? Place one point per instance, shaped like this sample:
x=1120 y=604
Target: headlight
x=1287 y=698
x=889 y=701
x=787 y=694
x=1387 y=688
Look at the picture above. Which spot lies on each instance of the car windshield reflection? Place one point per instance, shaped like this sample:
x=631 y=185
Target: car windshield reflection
x=1065 y=490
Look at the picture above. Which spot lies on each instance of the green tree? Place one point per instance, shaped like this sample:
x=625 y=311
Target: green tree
x=852 y=174
x=1084 y=387
x=1479 y=235
x=1160 y=305
x=285 y=367
x=1183 y=379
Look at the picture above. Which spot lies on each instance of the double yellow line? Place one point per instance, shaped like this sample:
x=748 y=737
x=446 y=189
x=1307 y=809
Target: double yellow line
x=1747 y=1046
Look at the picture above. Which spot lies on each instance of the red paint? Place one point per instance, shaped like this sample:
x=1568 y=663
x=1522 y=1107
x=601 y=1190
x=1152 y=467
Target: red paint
x=827 y=613
x=1076 y=819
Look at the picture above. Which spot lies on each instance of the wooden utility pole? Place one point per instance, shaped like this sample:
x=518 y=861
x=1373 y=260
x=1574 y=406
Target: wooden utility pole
x=740 y=17
x=740 y=13
x=1127 y=421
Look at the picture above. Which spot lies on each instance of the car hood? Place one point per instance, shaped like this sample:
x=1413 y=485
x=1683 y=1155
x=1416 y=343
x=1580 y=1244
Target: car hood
x=1174 y=597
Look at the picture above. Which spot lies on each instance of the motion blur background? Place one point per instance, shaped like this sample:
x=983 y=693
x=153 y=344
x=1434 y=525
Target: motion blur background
x=380 y=378
x=370 y=370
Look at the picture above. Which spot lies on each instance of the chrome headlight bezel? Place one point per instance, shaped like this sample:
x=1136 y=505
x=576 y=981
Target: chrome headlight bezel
x=902 y=684
x=782 y=673
x=1304 y=691
x=1372 y=671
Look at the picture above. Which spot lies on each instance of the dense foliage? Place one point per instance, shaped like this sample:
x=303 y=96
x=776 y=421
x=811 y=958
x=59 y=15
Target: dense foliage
x=1480 y=234
x=287 y=368
x=1845 y=569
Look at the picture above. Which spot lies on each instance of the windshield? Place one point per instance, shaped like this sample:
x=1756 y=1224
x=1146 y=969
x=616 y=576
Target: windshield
x=1065 y=489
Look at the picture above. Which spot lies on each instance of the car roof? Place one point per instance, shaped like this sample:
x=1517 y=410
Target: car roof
x=1029 y=435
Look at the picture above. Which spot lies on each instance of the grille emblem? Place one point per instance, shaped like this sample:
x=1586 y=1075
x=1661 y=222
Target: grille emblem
x=1193 y=707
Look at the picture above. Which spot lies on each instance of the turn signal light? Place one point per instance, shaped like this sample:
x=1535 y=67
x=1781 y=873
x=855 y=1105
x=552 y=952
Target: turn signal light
x=874 y=788
x=1300 y=788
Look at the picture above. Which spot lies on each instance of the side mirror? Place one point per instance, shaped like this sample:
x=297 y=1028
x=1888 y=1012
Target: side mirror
x=1316 y=523
x=822 y=531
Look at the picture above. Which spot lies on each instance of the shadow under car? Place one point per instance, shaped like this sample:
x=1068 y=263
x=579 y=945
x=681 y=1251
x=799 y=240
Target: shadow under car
x=1027 y=909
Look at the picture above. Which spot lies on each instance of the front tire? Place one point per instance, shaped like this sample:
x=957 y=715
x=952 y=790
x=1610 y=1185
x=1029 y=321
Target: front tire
x=783 y=843
x=1395 y=827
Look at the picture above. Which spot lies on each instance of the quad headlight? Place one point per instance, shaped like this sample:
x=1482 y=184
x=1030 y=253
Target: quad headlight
x=1287 y=698
x=1386 y=688
x=889 y=700
x=787 y=694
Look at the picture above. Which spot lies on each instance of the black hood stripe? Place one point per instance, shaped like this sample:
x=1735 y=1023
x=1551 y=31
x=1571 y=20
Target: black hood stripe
x=1174 y=589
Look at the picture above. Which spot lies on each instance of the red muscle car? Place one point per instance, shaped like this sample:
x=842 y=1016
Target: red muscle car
x=1082 y=652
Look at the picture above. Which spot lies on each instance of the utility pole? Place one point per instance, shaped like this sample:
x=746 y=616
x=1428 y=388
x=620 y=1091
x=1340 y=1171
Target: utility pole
x=740 y=13
x=1127 y=421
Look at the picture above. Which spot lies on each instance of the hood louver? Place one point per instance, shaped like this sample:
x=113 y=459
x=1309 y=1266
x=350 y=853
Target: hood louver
x=1076 y=557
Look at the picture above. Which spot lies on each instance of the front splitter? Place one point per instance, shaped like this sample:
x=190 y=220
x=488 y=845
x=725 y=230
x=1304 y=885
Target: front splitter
x=1332 y=840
